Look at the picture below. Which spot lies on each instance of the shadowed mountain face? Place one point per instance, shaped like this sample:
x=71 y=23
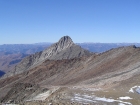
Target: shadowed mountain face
x=1 y=73
x=65 y=76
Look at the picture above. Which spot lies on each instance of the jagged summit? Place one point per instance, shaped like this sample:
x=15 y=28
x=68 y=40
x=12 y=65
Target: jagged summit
x=65 y=40
x=63 y=43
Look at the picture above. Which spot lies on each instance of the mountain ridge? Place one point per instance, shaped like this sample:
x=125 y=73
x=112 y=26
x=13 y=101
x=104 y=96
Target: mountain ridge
x=10 y=51
x=63 y=49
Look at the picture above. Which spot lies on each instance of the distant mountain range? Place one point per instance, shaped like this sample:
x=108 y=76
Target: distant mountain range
x=12 y=54
x=23 y=48
x=33 y=48
x=102 y=47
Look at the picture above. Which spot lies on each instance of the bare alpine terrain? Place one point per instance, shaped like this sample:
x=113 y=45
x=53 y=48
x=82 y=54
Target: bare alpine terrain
x=66 y=74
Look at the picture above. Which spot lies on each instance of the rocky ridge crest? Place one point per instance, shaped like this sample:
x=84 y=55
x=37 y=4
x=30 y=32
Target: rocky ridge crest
x=63 y=49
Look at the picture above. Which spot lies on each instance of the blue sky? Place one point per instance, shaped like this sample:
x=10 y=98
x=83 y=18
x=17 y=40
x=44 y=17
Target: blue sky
x=105 y=21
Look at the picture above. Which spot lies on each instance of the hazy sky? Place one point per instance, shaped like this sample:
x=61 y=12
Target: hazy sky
x=32 y=21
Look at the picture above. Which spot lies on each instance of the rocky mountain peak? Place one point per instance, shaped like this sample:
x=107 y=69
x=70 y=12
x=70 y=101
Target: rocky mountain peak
x=65 y=42
x=66 y=39
x=63 y=49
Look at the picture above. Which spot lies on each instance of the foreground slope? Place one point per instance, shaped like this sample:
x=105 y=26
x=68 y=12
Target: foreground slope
x=108 y=78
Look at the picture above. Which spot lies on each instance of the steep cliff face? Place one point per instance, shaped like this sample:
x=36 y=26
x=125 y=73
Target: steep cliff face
x=63 y=49
x=63 y=44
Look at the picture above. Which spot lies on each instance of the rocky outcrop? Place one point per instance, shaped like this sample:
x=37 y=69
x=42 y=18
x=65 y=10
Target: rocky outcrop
x=63 y=49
